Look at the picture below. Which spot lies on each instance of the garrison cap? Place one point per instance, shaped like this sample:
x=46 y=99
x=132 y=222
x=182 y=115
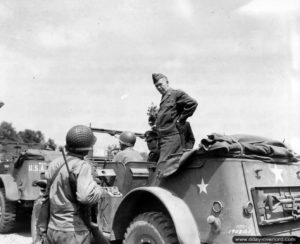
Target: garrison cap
x=150 y=135
x=157 y=76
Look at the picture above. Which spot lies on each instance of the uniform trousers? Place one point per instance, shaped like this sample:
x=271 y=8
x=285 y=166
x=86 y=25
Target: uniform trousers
x=66 y=237
x=168 y=145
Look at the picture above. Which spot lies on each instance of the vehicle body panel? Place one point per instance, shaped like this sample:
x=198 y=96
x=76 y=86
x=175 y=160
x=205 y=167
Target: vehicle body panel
x=119 y=179
x=281 y=180
x=229 y=181
x=206 y=181
x=21 y=165
x=10 y=186
x=25 y=175
x=197 y=186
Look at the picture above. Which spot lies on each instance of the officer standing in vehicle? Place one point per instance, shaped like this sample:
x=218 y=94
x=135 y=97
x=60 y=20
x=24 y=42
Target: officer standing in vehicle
x=127 y=141
x=66 y=225
x=175 y=107
x=152 y=144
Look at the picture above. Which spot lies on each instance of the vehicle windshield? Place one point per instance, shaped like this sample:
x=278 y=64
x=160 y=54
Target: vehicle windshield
x=106 y=142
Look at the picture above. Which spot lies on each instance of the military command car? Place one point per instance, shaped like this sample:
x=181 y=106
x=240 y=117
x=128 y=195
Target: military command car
x=229 y=187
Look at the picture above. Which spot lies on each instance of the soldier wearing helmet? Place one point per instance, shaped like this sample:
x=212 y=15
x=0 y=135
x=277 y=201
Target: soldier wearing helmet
x=127 y=140
x=66 y=225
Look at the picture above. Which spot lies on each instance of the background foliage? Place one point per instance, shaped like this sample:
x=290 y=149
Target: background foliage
x=9 y=133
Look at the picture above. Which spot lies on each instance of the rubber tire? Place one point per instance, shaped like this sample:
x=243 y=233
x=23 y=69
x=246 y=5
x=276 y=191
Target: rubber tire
x=7 y=214
x=34 y=230
x=151 y=228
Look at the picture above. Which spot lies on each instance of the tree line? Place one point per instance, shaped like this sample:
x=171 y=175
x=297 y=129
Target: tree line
x=9 y=133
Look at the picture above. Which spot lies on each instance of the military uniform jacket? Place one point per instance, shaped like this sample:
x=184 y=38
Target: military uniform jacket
x=128 y=155
x=64 y=211
x=175 y=105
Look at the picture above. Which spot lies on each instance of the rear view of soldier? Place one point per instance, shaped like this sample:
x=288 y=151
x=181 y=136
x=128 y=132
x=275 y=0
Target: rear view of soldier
x=66 y=225
x=127 y=141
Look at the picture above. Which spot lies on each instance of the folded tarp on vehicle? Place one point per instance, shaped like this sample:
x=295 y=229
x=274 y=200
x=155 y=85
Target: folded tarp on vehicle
x=237 y=146
x=245 y=145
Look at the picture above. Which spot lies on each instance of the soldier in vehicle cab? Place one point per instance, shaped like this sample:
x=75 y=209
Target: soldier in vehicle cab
x=127 y=141
x=152 y=144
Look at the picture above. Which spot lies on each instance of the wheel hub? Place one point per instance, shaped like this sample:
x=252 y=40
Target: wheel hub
x=147 y=240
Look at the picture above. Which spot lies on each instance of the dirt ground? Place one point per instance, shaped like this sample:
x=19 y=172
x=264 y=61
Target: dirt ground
x=21 y=234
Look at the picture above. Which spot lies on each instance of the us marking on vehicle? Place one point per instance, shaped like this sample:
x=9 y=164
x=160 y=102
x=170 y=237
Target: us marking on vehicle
x=202 y=187
x=37 y=167
x=278 y=173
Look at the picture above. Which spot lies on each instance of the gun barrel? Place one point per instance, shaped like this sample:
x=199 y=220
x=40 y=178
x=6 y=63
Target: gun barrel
x=115 y=132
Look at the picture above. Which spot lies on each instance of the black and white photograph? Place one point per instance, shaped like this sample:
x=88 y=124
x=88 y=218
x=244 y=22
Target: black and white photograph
x=149 y=122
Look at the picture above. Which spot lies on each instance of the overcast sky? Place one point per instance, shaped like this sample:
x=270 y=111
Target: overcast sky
x=70 y=62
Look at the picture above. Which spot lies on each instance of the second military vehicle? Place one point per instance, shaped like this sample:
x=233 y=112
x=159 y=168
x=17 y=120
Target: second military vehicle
x=20 y=165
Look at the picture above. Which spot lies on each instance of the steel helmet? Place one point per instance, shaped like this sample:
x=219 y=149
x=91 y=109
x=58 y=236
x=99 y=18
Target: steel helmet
x=80 y=138
x=127 y=138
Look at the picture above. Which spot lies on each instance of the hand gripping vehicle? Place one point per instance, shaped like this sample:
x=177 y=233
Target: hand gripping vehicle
x=20 y=165
x=227 y=188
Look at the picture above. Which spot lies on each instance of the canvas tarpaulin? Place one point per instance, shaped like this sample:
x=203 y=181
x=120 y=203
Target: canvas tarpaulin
x=239 y=146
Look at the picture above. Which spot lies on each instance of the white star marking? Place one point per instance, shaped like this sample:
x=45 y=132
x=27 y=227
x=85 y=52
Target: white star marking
x=278 y=174
x=202 y=187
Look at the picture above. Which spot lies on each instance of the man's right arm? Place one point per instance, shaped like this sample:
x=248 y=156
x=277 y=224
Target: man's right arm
x=88 y=192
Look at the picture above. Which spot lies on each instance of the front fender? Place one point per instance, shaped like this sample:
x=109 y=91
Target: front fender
x=10 y=186
x=145 y=199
